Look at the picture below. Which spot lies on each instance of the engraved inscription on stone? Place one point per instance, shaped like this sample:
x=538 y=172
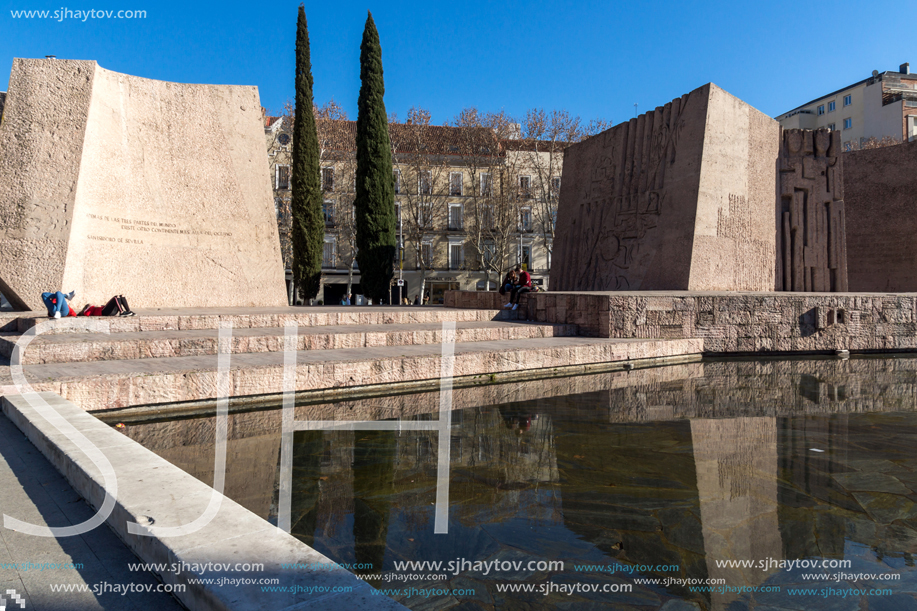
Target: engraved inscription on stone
x=116 y=224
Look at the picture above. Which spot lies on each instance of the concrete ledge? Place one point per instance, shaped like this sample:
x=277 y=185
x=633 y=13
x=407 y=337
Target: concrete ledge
x=244 y=318
x=469 y=391
x=9 y=321
x=86 y=347
x=481 y=300
x=107 y=385
x=148 y=487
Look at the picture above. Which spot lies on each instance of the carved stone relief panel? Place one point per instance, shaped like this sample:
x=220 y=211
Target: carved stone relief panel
x=812 y=231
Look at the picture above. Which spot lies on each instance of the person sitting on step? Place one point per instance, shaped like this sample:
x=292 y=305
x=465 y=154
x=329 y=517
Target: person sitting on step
x=523 y=285
x=507 y=286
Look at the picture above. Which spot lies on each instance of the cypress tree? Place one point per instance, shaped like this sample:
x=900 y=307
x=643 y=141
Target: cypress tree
x=308 y=224
x=375 y=195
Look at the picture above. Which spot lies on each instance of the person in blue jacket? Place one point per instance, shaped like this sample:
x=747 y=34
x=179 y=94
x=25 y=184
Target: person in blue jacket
x=57 y=303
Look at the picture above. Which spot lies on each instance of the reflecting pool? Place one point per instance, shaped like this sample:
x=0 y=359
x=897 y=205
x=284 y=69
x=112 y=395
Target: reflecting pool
x=742 y=484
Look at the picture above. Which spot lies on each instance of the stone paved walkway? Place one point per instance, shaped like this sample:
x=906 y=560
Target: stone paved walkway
x=32 y=490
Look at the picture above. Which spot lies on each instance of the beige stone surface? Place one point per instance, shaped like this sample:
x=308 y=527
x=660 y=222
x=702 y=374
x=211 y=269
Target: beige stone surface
x=733 y=245
x=122 y=185
x=167 y=319
x=679 y=198
x=83 y=347
x=744 y=322
x=162 y=495
x=115 y=384
x=881 y=187
x=41 y=143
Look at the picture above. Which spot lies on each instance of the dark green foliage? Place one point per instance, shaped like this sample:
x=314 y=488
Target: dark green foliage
x=308 y=223
x=375 y=195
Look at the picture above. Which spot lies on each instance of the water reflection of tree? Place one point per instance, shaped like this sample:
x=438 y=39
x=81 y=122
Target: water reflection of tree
x=502 y=458
x=305 y=494
x=373 y=469
x=335 y=503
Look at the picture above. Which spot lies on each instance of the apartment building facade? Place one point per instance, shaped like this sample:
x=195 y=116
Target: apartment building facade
x=469 y=206
x=881 y=106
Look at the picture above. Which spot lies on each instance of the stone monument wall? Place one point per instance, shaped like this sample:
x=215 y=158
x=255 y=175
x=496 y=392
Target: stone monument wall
x=41 y=142
x=678 y=198
x=881 y=197
x=810 y=214
x=122 y=185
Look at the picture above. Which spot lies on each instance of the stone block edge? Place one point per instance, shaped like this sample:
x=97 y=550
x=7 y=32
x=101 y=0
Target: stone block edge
x=203 y=597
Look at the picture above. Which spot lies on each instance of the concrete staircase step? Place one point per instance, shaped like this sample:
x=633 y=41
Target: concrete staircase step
x=185 y=319
x=115 y=384
x=129 y=345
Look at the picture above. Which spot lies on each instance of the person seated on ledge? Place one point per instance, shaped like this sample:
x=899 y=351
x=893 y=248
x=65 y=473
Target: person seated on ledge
x=508 y=283
x=116 y=306
x=90 y=310
x=57 y=304
x=523 y=285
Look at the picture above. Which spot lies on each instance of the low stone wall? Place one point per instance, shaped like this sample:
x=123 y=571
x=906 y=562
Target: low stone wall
x=485 y=300
x=739 y=322
x=475 y=300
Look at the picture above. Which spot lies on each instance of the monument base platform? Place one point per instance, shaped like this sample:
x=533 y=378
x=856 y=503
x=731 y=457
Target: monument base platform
x=730 y=322
x=162 y=357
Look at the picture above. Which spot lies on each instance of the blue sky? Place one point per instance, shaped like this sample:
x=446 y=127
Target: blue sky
x=594 y=59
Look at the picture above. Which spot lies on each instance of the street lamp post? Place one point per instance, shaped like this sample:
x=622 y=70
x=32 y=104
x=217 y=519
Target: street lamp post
x=400 y=258
x=521 y=227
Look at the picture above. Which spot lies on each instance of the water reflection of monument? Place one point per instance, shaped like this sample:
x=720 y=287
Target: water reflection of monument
x=736 y=462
